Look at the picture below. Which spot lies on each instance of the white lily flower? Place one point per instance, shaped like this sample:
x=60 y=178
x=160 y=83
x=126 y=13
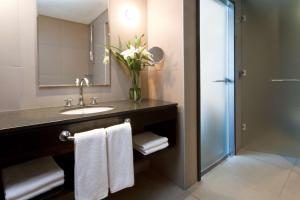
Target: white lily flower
x=129 y=52
x=147 y=53
x=106 y=60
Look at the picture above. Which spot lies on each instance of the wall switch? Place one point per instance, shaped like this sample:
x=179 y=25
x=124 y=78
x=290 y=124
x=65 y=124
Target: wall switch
x=243 y=18
x=244 y=127
x=243 y=73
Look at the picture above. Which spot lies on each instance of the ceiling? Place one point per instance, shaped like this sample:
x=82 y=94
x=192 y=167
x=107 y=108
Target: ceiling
x=81 y=11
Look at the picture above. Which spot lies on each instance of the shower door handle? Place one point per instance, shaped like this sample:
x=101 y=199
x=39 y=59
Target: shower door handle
x=226 y=80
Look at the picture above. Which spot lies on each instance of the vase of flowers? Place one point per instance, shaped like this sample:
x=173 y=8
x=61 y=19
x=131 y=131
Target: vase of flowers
x=134 y=58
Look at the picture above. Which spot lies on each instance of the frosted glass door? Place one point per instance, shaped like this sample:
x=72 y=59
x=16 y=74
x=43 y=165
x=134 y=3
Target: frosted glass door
x=216 y=80
x=271 y=90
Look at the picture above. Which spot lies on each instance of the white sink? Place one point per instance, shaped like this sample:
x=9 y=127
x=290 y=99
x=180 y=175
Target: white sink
x=87 y=110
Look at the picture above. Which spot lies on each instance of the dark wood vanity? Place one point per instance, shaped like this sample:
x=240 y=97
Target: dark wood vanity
x=30 y=134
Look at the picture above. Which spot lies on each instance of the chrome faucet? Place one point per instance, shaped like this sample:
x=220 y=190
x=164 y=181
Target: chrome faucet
x=80 y=83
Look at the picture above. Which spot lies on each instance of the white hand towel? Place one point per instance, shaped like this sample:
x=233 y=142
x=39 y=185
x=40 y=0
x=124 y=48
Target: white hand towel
x=42 y=190
x=120 y=157
x=91 y=176
x=148 y=140
x=154 y=149
x=27 y=177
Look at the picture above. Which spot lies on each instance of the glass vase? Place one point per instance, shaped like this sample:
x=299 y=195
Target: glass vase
x=135 y=92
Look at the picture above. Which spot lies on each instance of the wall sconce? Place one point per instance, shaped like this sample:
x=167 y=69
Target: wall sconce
x=130 y=16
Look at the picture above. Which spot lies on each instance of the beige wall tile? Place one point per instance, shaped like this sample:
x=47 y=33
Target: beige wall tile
x=28 y=33
x=190 y=93
x=9 y=34
x=10 y=80
x=165 y=30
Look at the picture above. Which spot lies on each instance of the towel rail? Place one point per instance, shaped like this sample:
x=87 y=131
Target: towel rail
x=67 y=136
x=286 y=80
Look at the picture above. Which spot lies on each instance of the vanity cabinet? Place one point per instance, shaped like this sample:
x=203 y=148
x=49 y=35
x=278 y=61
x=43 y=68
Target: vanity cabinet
x=33 y=138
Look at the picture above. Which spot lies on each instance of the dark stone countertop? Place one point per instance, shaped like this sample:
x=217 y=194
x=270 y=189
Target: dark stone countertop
x=33 y=118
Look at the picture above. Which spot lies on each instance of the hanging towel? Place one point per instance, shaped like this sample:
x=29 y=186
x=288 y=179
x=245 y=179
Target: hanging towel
x=120 y=157
x=148 y=140
x=91 y=176
x=32 y=178
x=154 y=149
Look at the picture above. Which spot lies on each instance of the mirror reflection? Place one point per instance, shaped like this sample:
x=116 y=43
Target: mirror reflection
x=71 y=37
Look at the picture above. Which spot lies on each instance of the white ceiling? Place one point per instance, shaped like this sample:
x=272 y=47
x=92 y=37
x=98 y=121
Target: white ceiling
x=81 y=11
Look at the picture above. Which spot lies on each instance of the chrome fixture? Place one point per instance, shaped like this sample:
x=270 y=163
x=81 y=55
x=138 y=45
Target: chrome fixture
x=67 y=136
x=242 y=73
x=94 y=100
x=80 y=83
x=68 y=102
x=286 y=80
x=226 y=80
x=92 y=55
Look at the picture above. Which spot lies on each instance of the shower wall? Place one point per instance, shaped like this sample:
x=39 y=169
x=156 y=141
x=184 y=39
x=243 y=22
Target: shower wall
x=271 y=50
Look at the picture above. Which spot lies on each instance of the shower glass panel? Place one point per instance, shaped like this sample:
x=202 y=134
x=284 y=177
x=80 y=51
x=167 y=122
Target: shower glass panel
x=271 y=90
x=216 y=81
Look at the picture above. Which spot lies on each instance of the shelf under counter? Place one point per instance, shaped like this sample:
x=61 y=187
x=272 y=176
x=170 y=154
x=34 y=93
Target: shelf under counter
x=40 y=137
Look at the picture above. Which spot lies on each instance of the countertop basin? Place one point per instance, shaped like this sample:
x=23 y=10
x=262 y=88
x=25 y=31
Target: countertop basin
x=86 y=110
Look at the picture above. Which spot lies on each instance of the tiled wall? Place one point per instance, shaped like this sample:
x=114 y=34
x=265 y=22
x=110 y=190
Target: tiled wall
x=18 y=69
x=175 y=81
x=165 y=30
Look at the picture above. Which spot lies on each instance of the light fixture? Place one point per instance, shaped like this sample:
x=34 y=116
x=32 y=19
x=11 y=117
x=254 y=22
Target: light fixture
x=130 y=16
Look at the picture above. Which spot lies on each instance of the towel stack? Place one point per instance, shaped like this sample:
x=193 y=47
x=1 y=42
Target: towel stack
x=32 y=178
x=148 y=143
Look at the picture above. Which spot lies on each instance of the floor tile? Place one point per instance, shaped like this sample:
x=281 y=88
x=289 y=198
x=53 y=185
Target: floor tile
x=274 y=159
x=291 y=189
x=246 y=176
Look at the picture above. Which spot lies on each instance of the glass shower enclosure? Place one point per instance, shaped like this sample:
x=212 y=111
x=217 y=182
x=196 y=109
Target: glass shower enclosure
x=271 y=89
x=217 y=81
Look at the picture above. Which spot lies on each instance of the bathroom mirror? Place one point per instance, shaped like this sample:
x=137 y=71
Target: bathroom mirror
x=71 y=39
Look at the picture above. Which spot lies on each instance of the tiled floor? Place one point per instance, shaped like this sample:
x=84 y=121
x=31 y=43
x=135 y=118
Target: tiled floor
x=251 y=176
x=247 y=176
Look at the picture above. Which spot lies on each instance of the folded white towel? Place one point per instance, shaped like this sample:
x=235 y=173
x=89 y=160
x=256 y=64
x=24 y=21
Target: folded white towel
x=148 y=140
x=28 y=177
x=42 y=190
x=120 y=157
x=154 y=149
x=91 y=176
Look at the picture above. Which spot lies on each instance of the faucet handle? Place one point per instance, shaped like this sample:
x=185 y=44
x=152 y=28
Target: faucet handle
x=77 y=82
x=68 y=102
x=94 y=100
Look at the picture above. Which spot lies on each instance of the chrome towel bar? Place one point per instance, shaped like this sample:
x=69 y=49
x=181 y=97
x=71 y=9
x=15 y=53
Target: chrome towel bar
x=67 y=136
x=286 y=80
